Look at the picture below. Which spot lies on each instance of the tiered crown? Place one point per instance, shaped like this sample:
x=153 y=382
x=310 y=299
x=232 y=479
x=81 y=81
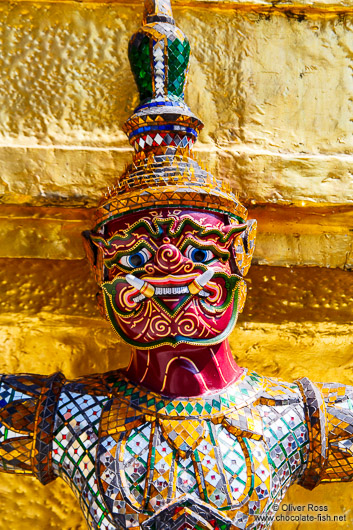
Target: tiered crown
x=163 y=129
x=159 y=56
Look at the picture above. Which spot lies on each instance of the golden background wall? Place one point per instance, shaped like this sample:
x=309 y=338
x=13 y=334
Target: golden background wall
x=274 y=85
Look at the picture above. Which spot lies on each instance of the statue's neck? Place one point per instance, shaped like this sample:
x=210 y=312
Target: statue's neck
x=184 y=371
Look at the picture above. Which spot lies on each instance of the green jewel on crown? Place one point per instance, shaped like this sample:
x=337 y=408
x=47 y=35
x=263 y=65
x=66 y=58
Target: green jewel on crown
x=159 y=55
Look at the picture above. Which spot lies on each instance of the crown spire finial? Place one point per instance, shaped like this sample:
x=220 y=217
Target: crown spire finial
x=158 y=11
x=159 y=56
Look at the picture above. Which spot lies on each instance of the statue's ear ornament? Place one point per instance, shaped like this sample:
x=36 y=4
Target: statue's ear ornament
x=94 y=255
x=244 y=246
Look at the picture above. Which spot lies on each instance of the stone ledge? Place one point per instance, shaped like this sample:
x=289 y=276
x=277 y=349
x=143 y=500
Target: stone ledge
x=75 y=177
x=275 y=294
x=306 y=236
x=343 y=6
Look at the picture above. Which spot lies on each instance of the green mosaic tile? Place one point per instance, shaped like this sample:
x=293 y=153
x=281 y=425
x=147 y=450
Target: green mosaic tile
x=139 y=56
x=189 y=408
x=179 y=408
x=198 y=408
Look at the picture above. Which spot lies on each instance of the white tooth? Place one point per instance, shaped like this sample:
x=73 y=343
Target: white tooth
x=205 y=277
x=139 y=298
x=204 y=293
x=135 y=282
x=160 y=291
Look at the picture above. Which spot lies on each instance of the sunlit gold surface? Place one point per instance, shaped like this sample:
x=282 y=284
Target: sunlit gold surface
x=274 y=90
x=316 y=236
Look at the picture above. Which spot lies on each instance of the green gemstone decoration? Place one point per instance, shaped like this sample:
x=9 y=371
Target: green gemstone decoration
x=178 y=60
x=141 y=59
x=139 y=56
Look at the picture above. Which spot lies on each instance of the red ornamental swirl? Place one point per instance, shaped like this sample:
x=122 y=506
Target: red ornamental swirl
x=126 y=298
x=217 y=293
x=188 y=325
x=185 y=268
x=159 y=327
x=149 y=268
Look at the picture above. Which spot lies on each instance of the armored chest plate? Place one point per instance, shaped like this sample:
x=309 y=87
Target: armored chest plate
x=143 y=474
x=220 y=461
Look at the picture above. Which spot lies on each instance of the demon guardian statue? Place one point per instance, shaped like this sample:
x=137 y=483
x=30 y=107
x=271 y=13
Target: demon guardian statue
x=182 y=438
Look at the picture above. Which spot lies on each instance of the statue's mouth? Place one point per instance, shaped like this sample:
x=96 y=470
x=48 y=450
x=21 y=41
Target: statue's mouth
x=149 y=310
x=168 y=291
x=148 y=289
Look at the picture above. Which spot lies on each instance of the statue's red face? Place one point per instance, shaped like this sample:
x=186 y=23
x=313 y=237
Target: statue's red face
x=172 y=277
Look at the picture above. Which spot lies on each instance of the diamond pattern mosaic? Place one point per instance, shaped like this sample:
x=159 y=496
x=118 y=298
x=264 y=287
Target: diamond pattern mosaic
x=109 y=442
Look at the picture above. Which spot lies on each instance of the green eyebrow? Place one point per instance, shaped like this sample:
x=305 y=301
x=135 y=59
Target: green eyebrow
x=174 y=227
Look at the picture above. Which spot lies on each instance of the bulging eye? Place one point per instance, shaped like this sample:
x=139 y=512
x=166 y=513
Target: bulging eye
x=198 y=255
x=136 y=260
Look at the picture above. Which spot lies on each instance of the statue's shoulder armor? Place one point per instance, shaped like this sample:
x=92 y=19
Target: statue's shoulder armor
x=274 y=401
x=336 y=393
x=94 y=384
x=329 y=415
x=276 y=392
x=27 y=409
x=96 y=398
x=30 y=407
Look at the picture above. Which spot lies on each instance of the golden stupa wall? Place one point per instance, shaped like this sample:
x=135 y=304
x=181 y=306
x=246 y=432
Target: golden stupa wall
x=273 y=83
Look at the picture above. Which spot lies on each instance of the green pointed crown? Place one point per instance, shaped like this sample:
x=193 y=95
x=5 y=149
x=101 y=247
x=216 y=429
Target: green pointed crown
x=159 y=56
x=162 y=130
